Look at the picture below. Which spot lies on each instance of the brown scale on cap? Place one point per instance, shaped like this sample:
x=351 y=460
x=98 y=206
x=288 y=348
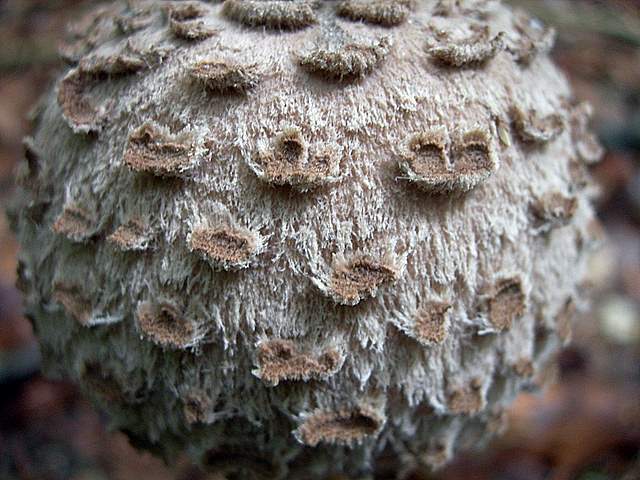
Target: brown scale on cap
x=75 y=102
x=149 y=151
x=224 y=76
x=346 y=59
x=165 y=325
x=75 y=304
x=388 y=13
x=74 y=95
x=474 y=51
x=290 y=161
x=507 y=303
x=426 y=162
x=277 y=15
x=185 y=22
x=282 y=360
x=467 y=400
x=554 y=210
x=360 y=278
x=75 y=222
x=123 y=63
x=132 y=236
x=473 y=159
x=224 y=247
x=431 y=322
x=533 y=128
x=342 y=427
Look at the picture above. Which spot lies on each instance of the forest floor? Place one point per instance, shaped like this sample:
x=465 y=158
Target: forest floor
x=586 y=427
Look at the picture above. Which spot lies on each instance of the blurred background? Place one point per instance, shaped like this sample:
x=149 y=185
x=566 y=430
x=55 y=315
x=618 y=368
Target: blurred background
x=587 y=427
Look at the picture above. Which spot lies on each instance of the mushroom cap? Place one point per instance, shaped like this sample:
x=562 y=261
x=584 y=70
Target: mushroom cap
x=302 y=237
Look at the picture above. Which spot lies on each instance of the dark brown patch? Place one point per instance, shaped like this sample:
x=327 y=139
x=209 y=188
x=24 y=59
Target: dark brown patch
x=75 y=222
x=165 y=325
x=466 y=400
x=132 y=236
x=343 y=427
x=533 y=128
x=225 y=248
x=222 y=76
x=431 y=322
x=277 y=15
x=346 y=60
x=388 y=13
x=507 y=303
x=282 y=360
x=74 y=302
x=359 y=279
x=554 y=210
x=149 y=151
x=291 y=162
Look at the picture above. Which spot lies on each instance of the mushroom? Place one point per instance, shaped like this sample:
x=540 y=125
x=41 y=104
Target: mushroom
x=313 y=226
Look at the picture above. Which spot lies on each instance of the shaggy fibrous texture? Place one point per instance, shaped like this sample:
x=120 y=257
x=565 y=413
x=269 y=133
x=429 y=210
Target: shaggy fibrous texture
x=297 y=238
